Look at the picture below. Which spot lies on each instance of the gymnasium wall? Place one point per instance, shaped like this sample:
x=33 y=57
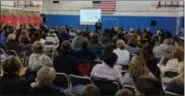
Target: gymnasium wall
x=129 y=14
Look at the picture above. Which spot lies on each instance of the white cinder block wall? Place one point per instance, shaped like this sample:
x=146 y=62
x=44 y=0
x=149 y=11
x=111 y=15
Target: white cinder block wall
x=136 y=8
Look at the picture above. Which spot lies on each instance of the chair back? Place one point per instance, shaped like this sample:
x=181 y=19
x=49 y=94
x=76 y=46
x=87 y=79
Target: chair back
x=2 y=54
x=61 y=81
x=107 y=87
x=124 y=67
x=172 y=94
x=12 y=52
x=170 y=74
x=3 y=45
x=79 y=80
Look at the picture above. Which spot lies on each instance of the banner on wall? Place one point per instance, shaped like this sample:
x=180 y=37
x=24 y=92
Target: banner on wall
x=20 y=20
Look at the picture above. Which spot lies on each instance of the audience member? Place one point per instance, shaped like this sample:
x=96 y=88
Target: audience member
x=107 y=70
x=65 y=62
x=94 y=42
x=11 y=83
x=132 y=45
x=163 y=50
x=148 y=86
x=91 y=90
x=63 y=35
x=12 y=44
x=177 y=84
x=137 y=68
x=122 y=53
x=124 y=92
x=23 y=37
x=77 y=41
x=38 y=58
x=44 y=80
x=86 y=54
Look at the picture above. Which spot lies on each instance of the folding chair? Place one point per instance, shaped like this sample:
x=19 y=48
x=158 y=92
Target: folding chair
x=3 y=45
x=107 y=87
x=124 y=67
x=2 y=54
x=61 y=82
x=167 y=93
x=78 y=83
x=12 y=53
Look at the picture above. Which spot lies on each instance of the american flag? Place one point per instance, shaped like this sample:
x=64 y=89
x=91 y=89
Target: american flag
x=105 y=5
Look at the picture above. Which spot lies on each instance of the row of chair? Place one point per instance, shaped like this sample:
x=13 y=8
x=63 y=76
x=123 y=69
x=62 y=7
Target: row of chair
x=74 y=84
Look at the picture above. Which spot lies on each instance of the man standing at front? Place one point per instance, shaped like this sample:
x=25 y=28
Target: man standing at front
x=98 y=25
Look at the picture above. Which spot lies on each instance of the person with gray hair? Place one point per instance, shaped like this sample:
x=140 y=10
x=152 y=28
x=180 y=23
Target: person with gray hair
x=13 y=44
x=44 y=79
x=65 y=62
x=164 y=49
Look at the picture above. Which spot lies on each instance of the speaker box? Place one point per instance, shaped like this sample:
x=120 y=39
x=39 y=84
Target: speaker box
x=153 y=23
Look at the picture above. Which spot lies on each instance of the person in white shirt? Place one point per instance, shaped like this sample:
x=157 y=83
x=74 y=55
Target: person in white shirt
x=172 y=65
x=107 y=70
x=122 y=53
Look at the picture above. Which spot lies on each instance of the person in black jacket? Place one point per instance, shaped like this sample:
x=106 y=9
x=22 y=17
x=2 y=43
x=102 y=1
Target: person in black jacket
x=12 y=44
x=98 y=25
x=42 y=86
x=65 y=62
x=11 y=83
x=86 y=54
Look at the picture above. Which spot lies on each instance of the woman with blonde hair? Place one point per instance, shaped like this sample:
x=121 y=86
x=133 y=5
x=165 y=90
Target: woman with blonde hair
x=137 y=68
x=122 y=53
x=91 y=90
x=38 y=58
x=177 y=84
x=44 y=80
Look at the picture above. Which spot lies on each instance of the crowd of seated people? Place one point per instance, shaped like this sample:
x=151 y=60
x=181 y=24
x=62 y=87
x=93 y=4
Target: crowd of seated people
x=135 y=63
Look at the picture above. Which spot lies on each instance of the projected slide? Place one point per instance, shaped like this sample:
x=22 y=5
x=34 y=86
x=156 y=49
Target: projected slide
x=89 y=16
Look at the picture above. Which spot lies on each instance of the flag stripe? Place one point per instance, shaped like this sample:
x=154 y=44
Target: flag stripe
x=105 y=5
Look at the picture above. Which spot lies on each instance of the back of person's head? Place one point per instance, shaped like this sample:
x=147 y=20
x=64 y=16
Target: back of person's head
x=11 y=65
x=11 y=37
x=125 y=92
x=120 y=44
x=65 y=46
x=149 y=86
x=94 y=38
x=137 y=67
x=45 y=76
x=79 y=32
x=109 y=48
x=84 y=44
x=91 y=90
x=133 y=41
x=38 y=47
x=110 y=59
x=167 y=41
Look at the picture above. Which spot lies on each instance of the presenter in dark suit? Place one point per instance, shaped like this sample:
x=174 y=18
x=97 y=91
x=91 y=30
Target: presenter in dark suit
x=98 y=25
